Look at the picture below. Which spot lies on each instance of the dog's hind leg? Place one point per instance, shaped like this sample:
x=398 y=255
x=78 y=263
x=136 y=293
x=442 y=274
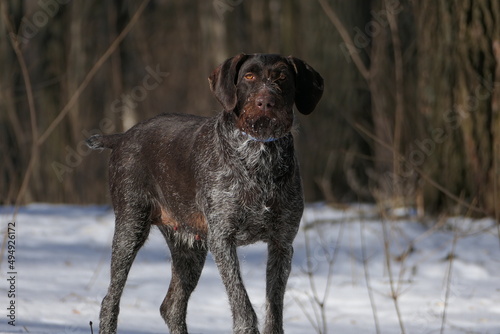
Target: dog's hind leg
x=131 y=231
x=187 y=265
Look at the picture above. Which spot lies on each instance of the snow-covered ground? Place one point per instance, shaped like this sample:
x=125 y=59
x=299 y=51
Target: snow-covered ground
x=62 y=258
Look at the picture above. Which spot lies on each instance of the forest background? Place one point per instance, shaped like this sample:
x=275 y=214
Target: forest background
x=410 y=115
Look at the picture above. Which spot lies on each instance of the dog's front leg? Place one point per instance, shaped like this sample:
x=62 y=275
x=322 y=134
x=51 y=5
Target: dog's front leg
x=226 y=258
x=279 y=263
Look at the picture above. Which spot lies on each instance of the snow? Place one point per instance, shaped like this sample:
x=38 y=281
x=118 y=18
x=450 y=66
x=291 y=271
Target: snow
x=62 y=272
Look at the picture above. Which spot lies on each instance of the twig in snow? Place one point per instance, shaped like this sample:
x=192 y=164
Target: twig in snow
x=448 y=279
x=367 y=277
x=317 y=300
x=394 y=292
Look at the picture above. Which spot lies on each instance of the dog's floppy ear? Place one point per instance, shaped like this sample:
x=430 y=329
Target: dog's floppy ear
x=223 y=81
x=308 y=86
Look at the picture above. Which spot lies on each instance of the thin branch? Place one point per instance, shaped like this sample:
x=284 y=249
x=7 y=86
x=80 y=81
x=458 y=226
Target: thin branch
x=306 y=313
x=399 y=89
x=332 y=259
x=448 y=280
x=449 y=273
x=93 y=71
x=309 y=272
x=344 y=34
x=324 y=181
x=313 y=299
x=394 y=293
x=496 y=187
x=367 y=277
x=317 y=313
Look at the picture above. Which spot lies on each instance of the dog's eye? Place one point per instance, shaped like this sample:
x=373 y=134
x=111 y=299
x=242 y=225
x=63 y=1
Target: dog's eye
x=249 y=76
x=282 y=76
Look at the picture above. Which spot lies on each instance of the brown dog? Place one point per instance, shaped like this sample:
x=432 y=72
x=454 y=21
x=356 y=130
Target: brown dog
x=214 y=184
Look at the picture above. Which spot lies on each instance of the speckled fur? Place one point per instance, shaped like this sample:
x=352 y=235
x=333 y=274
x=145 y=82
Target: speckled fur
x=212 y=184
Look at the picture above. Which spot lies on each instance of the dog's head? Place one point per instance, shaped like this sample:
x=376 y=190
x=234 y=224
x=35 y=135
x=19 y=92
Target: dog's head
x=261 y=90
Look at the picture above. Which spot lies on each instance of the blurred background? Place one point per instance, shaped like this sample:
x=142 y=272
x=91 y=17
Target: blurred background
x=409 y=117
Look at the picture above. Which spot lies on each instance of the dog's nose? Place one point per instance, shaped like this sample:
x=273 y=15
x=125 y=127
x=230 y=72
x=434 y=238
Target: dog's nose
x=265 y=102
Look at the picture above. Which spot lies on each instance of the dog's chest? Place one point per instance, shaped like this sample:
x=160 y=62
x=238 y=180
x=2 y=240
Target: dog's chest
x=248 y=194
x=248 y=211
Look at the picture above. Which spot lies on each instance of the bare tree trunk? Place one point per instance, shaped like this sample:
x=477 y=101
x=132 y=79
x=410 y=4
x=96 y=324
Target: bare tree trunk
x=14 y=141
x=459 y=90
x=391 y=82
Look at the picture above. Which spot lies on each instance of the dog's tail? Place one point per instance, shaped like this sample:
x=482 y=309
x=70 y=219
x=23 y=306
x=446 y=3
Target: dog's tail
x=103 y=141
